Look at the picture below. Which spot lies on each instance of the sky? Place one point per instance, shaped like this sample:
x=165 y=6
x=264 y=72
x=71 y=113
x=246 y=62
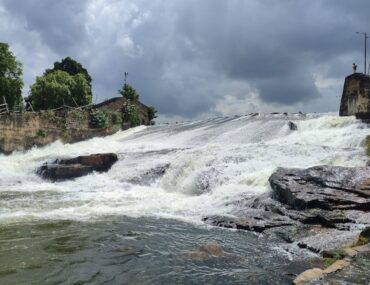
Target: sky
x=195 y=59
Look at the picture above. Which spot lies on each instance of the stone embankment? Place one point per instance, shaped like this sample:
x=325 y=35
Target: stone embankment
x=22 y=131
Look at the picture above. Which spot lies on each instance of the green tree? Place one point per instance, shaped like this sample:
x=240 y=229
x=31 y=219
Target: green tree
x=128 y=92
x=151 y=113
x=58 y=88
x=72 y=67
x=11 y=82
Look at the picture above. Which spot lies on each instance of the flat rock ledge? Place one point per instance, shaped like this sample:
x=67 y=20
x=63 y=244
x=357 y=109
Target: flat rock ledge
x=69 y=168
x=323 y=187
x=321 y=200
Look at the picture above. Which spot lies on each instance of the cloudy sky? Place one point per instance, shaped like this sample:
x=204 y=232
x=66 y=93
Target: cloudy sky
x=197 y=58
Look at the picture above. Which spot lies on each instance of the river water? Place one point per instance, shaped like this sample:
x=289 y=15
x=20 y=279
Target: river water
x=137 y=223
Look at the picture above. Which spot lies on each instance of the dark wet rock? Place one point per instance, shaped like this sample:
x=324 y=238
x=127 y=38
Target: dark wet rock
x=62 y=169
x=256 y=224
x=322 y=187
x=292 y=126
x=149 y=176
x=329 y=219
x=365 y=233
x=309 y=247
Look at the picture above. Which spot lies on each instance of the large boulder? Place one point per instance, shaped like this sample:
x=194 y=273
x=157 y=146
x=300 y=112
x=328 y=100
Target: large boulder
x=62 y=169
x=323 y=187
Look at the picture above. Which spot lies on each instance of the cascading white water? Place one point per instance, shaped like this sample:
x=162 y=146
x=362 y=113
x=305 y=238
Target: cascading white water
x=208 y=165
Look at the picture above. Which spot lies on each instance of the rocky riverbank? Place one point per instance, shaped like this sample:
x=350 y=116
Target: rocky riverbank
x=320 y=209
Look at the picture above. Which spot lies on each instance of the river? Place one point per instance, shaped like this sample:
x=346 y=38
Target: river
x=137 y=223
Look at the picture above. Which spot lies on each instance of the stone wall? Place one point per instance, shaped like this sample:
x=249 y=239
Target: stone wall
x=356 y=96
x=20 y=131
x=23 y=131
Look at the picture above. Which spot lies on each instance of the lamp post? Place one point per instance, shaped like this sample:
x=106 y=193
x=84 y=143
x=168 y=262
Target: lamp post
x=365 y=37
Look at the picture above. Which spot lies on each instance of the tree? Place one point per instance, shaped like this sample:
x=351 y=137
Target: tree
x=72 y=67
x=58 y=88
x=11 y=82
x=128 y=92
x=151 y=113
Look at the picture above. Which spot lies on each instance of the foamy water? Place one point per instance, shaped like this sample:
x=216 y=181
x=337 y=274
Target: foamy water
x=210 y=163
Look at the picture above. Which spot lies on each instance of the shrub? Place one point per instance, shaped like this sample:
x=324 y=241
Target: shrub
x=98 y=119
x=130 y=114
x=115 y=118
x=41 y=133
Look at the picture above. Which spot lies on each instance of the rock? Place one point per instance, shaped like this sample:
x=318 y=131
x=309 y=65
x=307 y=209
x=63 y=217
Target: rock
x=322 y=187
x=365 y=233
x=349 y=252
x=209 y=251
x=362 y=248
x=255 y=224
x=329 y=219
x=62 y=169
x=149 y=176
x=336 y=266
x=308 y=275
x=292 y=126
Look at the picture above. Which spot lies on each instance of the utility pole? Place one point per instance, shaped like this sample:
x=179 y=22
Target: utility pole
x=365 y=37
x=126 y=74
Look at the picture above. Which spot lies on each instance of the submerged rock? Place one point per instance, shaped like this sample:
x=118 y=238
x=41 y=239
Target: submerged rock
x=292 y=126
x=322 y=187
x=209 y=251
x=62 y=169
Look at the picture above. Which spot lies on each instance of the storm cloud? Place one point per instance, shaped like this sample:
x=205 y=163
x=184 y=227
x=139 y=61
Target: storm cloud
x=197 y=58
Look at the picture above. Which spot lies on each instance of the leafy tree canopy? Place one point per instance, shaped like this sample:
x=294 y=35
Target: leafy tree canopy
x=11 y=82
x=70 y=66
x=128 y=92
x=57 y=89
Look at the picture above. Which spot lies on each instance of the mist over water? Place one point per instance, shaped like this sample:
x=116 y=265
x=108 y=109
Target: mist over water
x=167 y=174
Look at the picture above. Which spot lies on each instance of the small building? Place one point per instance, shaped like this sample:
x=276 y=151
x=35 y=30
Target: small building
x=111 y=105
x=356 y=96
x=115 y=105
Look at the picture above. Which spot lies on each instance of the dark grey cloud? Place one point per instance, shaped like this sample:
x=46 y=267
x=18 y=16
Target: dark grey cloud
x=60 y=23
x=190 y=57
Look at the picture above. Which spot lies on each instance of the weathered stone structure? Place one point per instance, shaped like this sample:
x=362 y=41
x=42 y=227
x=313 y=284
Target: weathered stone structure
x=356 y=96
x=20 y=131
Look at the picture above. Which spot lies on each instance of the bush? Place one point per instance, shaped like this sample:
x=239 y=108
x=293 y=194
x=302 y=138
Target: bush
x=98 y=119
x=41 y=133
x=130 y=114
x=115 y=118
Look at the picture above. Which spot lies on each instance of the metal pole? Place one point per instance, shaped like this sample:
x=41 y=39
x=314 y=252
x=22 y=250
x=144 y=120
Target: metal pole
x=126 y=74
x=365 y=53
